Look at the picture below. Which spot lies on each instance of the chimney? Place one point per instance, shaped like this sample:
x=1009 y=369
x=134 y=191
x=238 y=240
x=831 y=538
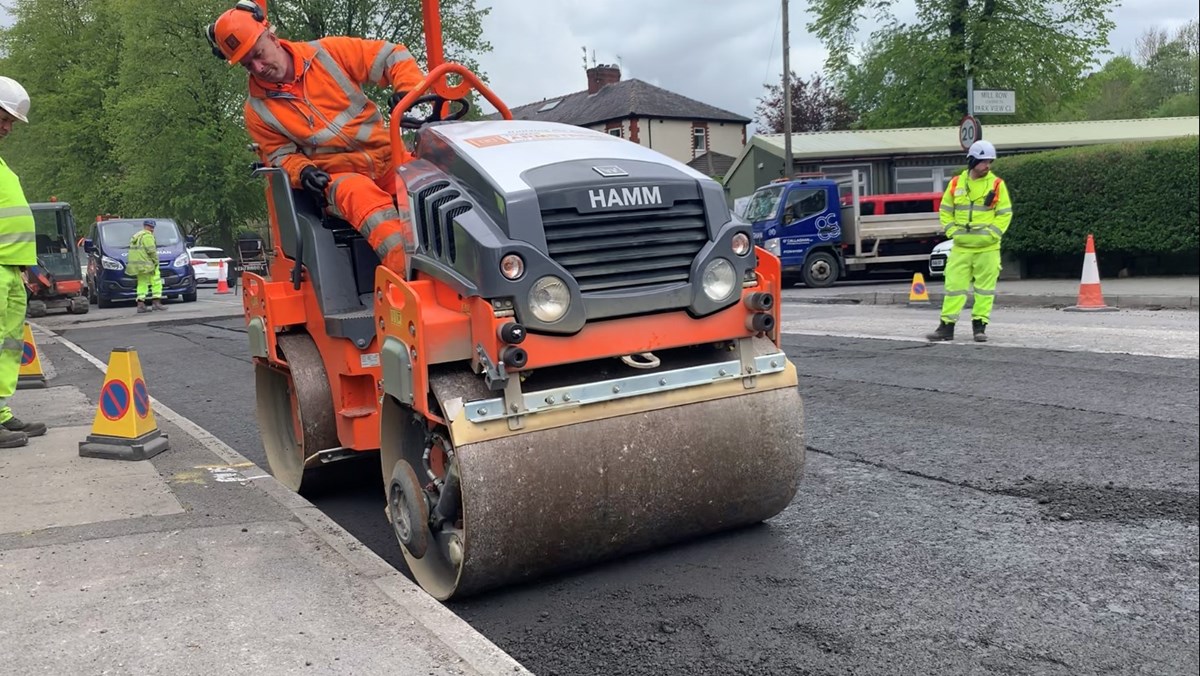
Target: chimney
x=601 y=76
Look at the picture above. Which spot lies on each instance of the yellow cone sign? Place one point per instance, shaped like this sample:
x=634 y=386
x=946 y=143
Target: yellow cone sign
x=124 y=427
x=918 y=294
x=31 y=374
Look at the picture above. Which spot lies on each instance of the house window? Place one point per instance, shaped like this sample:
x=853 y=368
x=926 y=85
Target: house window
x=699 y=139
x=616 y=131
x=924 y=179
x=842 y=174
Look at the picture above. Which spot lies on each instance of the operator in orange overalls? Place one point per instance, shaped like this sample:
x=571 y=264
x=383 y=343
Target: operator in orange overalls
x=307 y=112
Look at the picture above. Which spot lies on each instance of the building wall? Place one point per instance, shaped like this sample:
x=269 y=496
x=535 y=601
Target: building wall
x=673 y=138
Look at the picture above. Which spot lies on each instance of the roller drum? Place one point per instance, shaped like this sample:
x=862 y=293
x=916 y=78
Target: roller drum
x=569 y=496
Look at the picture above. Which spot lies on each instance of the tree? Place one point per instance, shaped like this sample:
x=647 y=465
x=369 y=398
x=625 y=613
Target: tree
x=1170 y=69
x=175 y=121
x=815 y=107
x=916 y=73
x=63 y=52
x=132 y=115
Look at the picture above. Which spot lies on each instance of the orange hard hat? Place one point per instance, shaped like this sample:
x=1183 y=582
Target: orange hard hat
x=236 y=31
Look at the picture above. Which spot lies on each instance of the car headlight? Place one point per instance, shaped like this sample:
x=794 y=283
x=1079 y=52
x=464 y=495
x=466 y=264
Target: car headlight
x=111 y=263
x=549 y=299
x=772 y=246
x=181 y=260
x=718 y=280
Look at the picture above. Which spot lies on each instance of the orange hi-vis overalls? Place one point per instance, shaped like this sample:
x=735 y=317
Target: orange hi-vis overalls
x=324 y=119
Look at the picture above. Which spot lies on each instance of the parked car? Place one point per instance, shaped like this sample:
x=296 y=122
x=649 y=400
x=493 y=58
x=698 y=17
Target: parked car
x=108 y=250
x=206 y=263
x=937 y=258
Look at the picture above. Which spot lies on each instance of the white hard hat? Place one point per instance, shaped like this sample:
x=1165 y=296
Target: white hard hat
x=14 y=98
x=982 y=150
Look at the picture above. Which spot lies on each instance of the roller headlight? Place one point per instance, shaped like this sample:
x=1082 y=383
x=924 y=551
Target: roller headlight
x=549 y=299
x=718 y=280
x=512 y=267
x=741 y=244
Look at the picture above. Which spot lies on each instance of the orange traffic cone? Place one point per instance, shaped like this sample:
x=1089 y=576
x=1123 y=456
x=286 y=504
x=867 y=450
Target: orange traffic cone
x=222 y=284
x=1090 y=297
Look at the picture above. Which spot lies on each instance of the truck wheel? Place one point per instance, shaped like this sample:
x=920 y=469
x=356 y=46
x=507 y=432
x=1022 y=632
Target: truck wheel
x=820 y=270
x=189 y=297
x=102 y=301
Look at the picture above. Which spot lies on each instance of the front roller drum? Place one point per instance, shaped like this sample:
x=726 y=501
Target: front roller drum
x=565 y=497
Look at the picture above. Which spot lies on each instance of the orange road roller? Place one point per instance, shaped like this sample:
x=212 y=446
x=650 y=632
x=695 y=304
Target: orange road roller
x=580 y=360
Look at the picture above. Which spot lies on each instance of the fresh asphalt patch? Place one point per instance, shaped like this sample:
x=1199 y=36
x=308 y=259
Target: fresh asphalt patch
x=927 y=537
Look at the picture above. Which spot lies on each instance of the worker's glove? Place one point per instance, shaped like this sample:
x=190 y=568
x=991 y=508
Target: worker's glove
x=315 y=180
x=394 y=99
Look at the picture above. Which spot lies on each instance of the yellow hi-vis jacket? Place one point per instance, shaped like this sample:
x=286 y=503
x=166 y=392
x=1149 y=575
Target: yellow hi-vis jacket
x=975 y=213
x=17 y=245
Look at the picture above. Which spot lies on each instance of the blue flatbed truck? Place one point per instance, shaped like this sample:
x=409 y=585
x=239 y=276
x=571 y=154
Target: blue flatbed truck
x=823 y=230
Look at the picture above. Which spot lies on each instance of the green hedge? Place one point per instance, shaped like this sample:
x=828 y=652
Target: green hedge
x=1136 y=198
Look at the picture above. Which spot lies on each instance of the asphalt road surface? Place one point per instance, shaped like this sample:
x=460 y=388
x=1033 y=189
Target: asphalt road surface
x=997 y=508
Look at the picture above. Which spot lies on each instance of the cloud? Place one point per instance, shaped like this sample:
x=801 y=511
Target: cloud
x=719 y=53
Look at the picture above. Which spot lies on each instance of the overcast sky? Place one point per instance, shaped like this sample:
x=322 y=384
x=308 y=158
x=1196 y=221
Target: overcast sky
x=721 y=53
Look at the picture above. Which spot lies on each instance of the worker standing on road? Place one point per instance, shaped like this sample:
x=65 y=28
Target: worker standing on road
x=308 y=114
x=143 y=264
x=18 y=251
x=975 y=213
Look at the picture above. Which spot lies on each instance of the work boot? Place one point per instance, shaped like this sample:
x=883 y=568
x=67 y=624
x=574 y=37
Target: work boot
x=977 y=327
x=29 y=429
x=945 y=331
x=9 y=439
x=158 y=304
x=142 y=307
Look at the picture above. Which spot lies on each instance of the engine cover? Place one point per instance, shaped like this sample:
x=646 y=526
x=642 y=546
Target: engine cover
x=628 y=229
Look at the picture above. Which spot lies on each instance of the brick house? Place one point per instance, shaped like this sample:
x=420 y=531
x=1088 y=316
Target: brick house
x=681 y=128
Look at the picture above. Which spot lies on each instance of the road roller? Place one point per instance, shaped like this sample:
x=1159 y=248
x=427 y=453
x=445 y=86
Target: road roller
x=580 y=359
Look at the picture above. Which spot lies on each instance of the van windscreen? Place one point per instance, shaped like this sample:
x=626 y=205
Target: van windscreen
x=116 y=234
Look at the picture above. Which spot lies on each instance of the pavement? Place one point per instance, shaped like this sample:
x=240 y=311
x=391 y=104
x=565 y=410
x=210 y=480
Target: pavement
x=1129 y=293
x=194 y=561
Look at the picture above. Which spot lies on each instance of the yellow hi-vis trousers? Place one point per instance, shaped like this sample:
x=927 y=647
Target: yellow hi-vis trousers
x=13 y=299
x=150 y=282
x=964 y=269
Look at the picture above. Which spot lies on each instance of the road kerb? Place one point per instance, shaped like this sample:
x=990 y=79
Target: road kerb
x=474 y=648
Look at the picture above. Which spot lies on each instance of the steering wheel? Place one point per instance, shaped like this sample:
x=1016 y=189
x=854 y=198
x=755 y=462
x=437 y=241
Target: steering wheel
x=414 y=122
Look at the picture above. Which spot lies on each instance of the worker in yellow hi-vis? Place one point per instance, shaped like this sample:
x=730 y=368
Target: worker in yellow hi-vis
x=143 y=264
x=17 y=251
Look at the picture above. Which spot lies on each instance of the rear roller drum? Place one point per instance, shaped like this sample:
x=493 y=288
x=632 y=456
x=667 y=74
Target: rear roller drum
x=295 y=409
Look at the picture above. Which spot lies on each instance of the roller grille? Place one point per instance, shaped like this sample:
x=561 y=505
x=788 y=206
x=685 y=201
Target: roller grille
x=628 y=249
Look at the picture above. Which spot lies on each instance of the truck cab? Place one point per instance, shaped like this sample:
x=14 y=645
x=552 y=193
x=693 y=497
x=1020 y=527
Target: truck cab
x=822 y=230
x=799 y=221
x=108 y=251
